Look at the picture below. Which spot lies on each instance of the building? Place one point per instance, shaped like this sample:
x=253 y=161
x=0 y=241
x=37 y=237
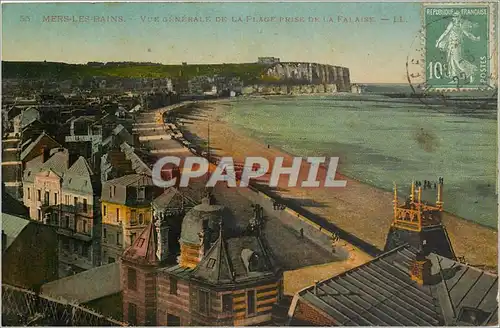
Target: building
x=221 y=277
x=419 y=224
x=126 y=211
x=98 y=289
x=60 y=189
x=268 y=60
x=33 y=147
x=402 y=287
x=29 y=252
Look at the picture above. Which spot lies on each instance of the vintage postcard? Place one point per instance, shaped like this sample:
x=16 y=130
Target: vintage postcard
x=250 y=163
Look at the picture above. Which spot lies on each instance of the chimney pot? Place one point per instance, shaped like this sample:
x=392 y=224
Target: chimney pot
x=421 y=270
x=45 y=154
x=316 y=287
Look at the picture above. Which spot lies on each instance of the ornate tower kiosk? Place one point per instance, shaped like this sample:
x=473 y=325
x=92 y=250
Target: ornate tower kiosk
x=419 y=224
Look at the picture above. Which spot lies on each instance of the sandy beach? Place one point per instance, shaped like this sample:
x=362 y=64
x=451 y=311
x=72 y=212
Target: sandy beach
x=360 y=209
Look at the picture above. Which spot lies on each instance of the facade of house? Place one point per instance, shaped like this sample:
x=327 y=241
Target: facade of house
x=126 y=211
x=219 y=277
x=61 y=190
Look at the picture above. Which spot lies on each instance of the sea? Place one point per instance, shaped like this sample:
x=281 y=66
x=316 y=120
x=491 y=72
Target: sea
x=382 y=140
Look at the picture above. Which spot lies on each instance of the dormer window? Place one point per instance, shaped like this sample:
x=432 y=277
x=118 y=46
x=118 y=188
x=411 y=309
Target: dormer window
x=141 y=194
x=211 y=263
x=472 y=317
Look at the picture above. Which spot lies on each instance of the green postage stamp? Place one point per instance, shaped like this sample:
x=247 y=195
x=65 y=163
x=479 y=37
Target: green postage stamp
x=459 y=49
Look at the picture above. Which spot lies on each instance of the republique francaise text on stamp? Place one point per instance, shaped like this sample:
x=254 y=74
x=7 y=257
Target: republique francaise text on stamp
x=459 y=53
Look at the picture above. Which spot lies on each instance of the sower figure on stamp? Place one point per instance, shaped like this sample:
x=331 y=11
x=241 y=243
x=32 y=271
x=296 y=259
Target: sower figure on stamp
x=451 y=42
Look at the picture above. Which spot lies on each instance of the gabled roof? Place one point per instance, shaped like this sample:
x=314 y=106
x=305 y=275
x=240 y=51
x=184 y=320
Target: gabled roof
x=143 y=250
x=172 y=197
x=57 y=162
x=138 y=180
x=215 y=267
x=13 y=225
x=381 y=292
x=12 y=206
x=32 y=145
x=79 y=177
x=86 y=286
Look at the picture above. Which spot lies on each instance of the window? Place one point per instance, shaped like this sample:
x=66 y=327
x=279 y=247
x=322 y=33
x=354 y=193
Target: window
x=211 y=263
x=251 y=302
x=85 y=226
x=150 y=318
x=141 y=193
x=110 y=192
x=114 y=191
x=39 y=214
x=71 y=224
x=118 y=237
x=133 y=218
x=140 y=242
x=173 y=286
x=111 y=259
x=29 y=196
x=141 y=218
x=46 y=197
x=66 y=199
x=227 y=303
x=75 y=201
x=132 y=279
x=132 y=313
x=104 y=210
x=84 y=205
x=39 y=195
x=173 y=320
x=65 y=244
x=55 y=198
x=66 y=222
x=117 y=215
x=105 y=233
x=203 y=302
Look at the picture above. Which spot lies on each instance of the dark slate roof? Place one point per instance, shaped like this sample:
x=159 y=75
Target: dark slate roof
x=32 y=145
x=142 y=162
x=381 y=292
x=12 y=206
x=171 y=197
x=178 y=271
x=215 y=267
x=235 y=260
x=123 y=185
x=118 y=136
x=143 y=250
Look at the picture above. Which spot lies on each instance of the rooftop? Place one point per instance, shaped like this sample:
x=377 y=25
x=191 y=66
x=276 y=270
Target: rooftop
x=86 y=286
x=381 y=292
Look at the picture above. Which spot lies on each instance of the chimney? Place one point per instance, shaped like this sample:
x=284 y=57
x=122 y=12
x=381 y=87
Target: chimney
x=316 y=287
x=162 y=230
x=72 y=158
x=420 y=271
x=45 y=153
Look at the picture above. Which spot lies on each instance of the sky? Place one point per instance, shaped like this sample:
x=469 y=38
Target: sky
x=375 y=52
